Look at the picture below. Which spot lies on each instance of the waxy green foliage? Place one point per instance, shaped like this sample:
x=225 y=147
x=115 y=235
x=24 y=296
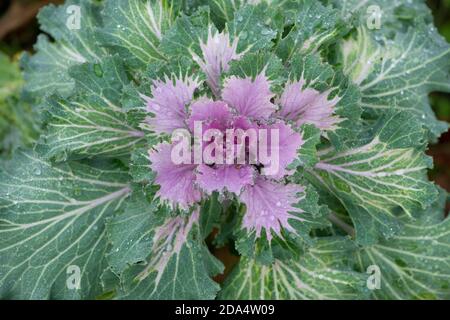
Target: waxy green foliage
x=84 y=196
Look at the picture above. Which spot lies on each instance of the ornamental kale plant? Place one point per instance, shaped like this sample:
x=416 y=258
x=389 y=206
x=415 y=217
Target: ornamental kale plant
x=292 y=133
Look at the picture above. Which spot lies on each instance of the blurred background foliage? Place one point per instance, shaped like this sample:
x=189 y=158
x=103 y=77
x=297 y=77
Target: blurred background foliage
x=441 y=102
x=19 y=123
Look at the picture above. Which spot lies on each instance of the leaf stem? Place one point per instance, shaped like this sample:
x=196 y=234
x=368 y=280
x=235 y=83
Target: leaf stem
x=341 y=224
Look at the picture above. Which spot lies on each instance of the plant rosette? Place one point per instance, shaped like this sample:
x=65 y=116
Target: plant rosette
x=291 y=132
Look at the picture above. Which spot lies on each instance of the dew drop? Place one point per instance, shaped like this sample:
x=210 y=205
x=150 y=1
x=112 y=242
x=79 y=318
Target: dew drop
x=37 y=171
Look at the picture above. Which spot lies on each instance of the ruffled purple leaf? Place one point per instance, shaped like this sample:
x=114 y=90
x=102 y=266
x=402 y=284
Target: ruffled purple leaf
x=289 y=142
x=270 y=206
x=308 y=106
x=217 y=54
x=224 y=177
x=177 y=182
x=168 y=103
x=250 y=98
